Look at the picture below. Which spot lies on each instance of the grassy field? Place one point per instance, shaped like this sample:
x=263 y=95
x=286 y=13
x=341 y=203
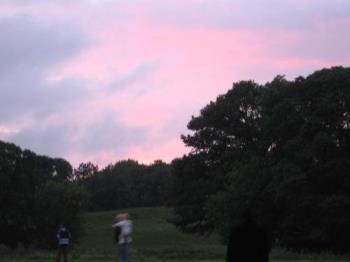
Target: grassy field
x=154 y=240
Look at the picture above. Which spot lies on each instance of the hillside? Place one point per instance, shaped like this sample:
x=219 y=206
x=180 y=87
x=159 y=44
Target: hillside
x=153 y=237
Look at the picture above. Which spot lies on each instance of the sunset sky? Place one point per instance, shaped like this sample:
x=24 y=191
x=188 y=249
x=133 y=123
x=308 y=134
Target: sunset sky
x=106 y=80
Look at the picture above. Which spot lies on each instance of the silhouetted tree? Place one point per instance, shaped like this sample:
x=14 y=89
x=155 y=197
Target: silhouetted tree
x=25 y=216
x=84 y=171
x=279 y=151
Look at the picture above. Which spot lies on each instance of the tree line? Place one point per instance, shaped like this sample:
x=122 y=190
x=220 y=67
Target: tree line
x=125 y=184
x=279 y=152
x=37 y=193
x=36 y=196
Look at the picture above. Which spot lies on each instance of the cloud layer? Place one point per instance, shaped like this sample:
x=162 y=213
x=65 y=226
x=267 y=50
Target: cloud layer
x=107 y=80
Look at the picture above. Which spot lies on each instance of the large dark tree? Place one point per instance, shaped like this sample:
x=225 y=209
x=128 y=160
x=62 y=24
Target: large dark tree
x=310 y=151
x=226 y=135
x=278 y=151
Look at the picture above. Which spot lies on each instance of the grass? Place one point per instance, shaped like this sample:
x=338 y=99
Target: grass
x=153 y=237
x=154 y=240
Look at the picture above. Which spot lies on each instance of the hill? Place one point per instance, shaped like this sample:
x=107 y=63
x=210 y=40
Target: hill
x=153 y=237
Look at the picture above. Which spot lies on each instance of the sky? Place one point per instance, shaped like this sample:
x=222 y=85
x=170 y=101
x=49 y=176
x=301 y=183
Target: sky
x=108 y=80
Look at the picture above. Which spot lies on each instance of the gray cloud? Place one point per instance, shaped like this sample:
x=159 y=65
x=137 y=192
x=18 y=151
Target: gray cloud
x=106 y=134
x=27 y=51
x=315 y=30
x=101 y=135
x=51 y=141
x=26 y=44
x=136 y=75
x=252 y=14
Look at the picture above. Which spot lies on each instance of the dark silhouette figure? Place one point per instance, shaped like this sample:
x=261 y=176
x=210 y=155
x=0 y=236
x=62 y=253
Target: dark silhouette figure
x=63 y=237
x=248 y=243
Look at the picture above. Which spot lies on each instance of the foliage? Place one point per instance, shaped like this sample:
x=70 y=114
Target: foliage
x=129 y=184
x=84 y=171
x=26 y=207
x=279 y=151
x=58 y=203
x=193 y=185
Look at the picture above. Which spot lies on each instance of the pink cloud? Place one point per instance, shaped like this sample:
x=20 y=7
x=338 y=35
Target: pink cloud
x=145 y=153
x=194 y=66
x=165 y=151
x=190 y=65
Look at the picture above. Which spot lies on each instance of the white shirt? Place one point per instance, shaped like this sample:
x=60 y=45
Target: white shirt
x=125 y=231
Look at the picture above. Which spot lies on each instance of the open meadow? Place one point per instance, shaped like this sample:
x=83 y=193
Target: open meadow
x=154 y=239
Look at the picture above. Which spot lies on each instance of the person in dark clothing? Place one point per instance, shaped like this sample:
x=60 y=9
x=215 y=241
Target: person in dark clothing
x=63 y=237
x=248 y=243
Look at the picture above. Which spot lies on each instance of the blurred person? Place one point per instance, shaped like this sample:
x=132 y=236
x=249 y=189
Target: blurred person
x=123 y=227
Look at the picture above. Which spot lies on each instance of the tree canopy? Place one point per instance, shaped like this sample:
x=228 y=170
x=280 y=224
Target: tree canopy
x=34 y=193
x=279 y=151
x=128 y=183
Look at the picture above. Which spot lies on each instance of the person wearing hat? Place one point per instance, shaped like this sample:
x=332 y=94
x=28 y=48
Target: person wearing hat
x=124 y=227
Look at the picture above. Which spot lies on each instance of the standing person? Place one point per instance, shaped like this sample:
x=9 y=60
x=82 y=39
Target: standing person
x=248 y=242
x=123 y=225
x=63 y=237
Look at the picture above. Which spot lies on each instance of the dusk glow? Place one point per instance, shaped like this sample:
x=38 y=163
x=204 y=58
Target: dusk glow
x=107 y=80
